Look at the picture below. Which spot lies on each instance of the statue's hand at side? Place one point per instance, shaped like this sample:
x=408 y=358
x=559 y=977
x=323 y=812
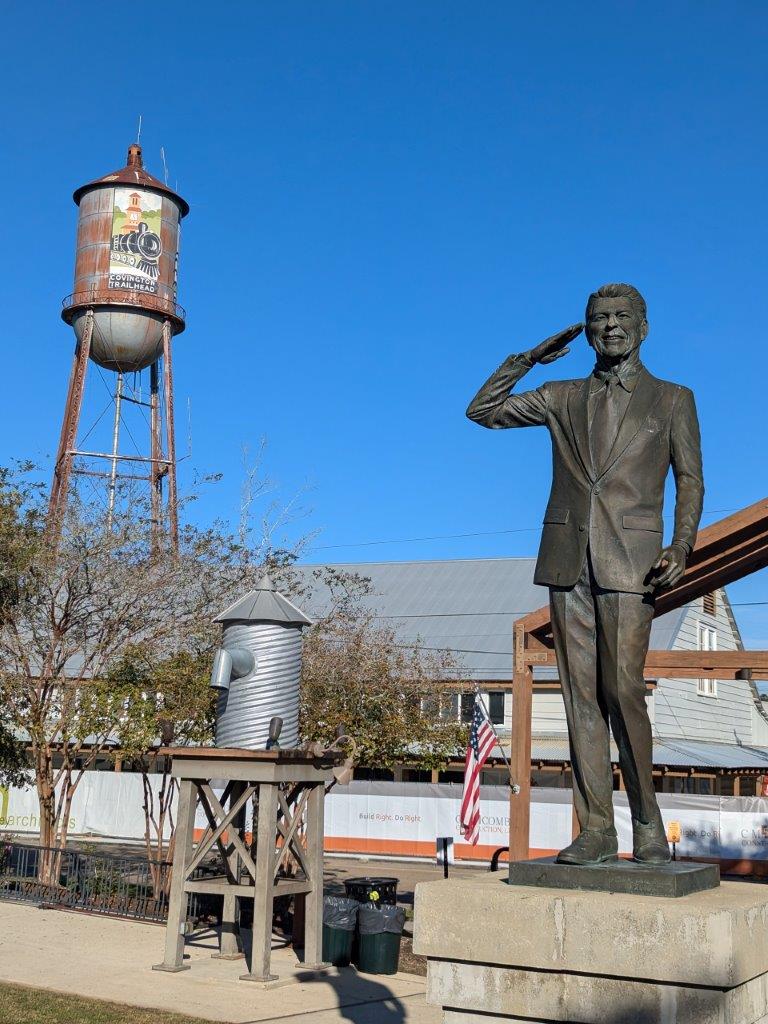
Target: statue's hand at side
x=555 y=347
x=669 y=566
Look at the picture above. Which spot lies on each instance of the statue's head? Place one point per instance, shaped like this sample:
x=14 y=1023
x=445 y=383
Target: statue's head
x=616 y=321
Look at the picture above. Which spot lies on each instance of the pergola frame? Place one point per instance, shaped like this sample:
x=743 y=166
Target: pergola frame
x=726 y=551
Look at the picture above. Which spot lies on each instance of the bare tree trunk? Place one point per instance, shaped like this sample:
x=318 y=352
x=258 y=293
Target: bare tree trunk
x=158 y=810
x=65 y=808
x=55 y=811
x=46 y=796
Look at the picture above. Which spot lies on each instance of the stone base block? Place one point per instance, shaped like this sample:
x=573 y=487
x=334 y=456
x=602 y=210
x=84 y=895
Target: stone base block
x=499 y=953
x=562 y=996
x=469 y=1017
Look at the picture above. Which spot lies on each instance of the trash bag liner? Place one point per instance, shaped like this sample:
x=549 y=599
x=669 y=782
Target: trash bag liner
x=375 y=920
x=340 y=912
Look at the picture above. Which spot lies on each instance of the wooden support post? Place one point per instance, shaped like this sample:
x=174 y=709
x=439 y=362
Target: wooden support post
x=313 y=905
x=737 y=785
x=520 y=760
x=231 y=945
x=177 y=907
x=263 y=898
x=288 y=789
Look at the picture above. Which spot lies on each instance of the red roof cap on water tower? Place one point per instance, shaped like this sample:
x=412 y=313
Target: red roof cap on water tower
x=133 y=174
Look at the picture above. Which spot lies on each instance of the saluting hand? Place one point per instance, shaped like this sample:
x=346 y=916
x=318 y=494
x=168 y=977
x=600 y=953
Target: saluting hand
x=555 y=347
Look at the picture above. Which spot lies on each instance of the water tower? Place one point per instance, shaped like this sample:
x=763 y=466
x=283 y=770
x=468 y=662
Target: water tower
x=124 y=314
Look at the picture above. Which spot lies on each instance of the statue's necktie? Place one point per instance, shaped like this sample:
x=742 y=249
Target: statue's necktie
x=605 y=423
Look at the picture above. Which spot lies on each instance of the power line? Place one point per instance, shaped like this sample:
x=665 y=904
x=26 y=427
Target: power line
x=453 y=615
x=414 y=540
x=461 y=536
x=517 y=611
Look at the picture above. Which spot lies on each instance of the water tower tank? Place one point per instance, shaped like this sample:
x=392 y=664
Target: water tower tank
x=126 y=265
x=257 y=669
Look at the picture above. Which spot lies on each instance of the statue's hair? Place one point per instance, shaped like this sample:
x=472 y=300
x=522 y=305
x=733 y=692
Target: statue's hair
x=618 y=291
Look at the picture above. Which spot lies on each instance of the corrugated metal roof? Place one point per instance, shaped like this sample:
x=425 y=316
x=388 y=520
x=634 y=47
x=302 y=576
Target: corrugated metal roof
x=467 y=606
x=666 y=753
x=264 y=604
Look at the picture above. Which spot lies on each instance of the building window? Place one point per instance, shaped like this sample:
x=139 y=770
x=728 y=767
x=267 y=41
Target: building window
x=709 y=604
x=467 y=706
x=707 y=642
x=496 y=707
x=449 y=708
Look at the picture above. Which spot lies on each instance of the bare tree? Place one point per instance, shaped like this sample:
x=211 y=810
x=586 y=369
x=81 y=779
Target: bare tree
x=167 y=702
x=387 y=695
x=71 y=613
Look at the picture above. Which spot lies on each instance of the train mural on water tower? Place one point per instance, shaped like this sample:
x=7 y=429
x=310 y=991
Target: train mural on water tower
x=136 y=245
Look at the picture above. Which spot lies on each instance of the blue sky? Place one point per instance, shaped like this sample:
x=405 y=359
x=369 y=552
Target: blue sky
x=386 y=199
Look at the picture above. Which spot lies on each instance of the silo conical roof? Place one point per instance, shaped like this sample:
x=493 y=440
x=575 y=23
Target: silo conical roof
x=264 y=604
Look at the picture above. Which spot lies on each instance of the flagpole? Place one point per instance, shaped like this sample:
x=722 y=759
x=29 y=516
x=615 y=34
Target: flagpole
x=493 y=730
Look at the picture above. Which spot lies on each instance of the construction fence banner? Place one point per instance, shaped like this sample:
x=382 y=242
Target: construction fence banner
x=405 y=819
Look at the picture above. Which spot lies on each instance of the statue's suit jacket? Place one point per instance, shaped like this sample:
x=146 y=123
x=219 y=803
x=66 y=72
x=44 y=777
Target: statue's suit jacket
x=617 y=508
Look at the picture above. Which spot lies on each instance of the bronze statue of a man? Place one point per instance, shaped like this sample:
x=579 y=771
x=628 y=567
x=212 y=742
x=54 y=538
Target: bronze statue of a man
x=614 y=436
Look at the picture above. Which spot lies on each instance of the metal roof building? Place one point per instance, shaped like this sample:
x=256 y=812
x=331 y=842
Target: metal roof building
x=468 y=607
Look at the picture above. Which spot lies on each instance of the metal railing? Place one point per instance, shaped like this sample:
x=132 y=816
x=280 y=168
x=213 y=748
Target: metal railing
x=124 y=297
x=102 y=883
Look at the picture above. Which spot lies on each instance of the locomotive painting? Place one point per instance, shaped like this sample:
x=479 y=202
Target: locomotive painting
x=135 y=252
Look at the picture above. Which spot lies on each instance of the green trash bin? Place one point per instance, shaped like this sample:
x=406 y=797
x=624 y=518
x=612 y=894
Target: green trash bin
x=380 y=928
x=339 y=921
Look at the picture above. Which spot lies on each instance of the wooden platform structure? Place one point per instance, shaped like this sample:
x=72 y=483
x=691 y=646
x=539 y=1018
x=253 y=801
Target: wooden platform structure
x=289 y=790
x=724 y=552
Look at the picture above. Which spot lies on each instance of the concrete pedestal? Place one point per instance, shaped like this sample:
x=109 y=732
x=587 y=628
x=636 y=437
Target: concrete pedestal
x=502 y=953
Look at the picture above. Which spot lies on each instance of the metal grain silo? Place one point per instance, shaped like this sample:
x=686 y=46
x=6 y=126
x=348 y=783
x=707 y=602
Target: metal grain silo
x=126 y=266
x=257 y=669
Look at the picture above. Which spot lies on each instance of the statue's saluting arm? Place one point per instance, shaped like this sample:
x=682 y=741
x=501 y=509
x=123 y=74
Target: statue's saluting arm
x=493 y=407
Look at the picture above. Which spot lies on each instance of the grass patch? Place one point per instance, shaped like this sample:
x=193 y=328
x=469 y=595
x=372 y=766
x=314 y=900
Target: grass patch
x=22 y=1005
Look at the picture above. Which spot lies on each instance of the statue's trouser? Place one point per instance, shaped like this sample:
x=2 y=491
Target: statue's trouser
x=601 y=640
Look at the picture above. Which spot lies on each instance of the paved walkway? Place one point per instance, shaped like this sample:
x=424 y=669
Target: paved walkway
x=111 y=959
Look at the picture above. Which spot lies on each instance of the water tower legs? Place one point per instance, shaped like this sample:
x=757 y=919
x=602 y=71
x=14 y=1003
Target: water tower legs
x=161 y=461
x=173 y=508
x=62 y=471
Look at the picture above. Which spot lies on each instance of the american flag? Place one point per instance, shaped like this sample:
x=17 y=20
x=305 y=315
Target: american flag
x=481 y=741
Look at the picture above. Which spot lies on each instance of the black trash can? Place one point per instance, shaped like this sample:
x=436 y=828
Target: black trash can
x=339 y=921
x=380 y=928
x=372 y=890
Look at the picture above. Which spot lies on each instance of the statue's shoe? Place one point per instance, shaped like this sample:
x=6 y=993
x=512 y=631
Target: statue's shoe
x=591 y=846
x=650 y=844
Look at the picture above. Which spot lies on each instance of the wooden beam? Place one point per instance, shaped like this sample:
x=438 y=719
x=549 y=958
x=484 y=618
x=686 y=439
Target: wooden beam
x=683 y=664
x=707 y=664
x=520 y=758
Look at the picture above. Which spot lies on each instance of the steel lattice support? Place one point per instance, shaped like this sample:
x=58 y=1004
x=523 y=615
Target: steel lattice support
x=161 y=460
